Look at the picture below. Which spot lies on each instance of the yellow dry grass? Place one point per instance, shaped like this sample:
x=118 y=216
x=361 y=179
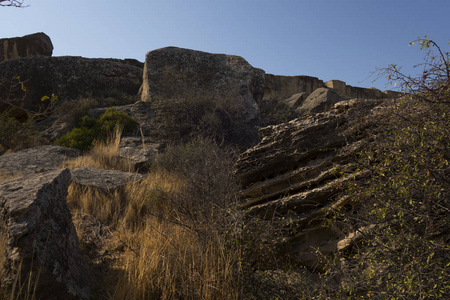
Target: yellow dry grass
x=161 y=257
x=103 y=155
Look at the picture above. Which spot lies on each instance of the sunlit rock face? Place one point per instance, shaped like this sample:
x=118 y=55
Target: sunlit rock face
x=28 y=45
x=171 y=73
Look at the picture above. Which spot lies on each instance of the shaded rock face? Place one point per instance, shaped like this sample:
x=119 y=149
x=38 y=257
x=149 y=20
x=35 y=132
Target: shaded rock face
x=321 y=100
x=171 y=73
x=295 y=173
x=67 y=77
x=40 y=237
x=28 y=45
x=38 y=159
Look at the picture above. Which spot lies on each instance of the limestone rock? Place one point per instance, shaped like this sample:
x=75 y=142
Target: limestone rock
x=171 y=73
x=140 y=151
x=36 y=160
x=294 y=175
x=67 y=77
x=40 y=237
x=28 y=45
x=320 y=100
x=283 y=87
x=104 y=180
x=296 y=100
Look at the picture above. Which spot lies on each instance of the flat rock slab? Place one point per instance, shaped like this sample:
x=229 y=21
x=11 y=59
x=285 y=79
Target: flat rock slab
x=105 y=180
x=36 y=160
x=40 y=236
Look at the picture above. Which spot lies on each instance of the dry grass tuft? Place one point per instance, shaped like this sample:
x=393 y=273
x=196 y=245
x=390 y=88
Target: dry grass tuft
x=103 y=155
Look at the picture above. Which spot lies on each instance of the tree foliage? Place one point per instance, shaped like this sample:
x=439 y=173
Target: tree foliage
x=406 y=199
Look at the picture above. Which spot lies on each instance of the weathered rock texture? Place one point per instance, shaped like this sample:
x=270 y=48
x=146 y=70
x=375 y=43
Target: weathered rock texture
x=141 y=152
x=295 y=173
x=29 y=45
x=104 y=180
x=349 y=91
x=321 y=100
x=283 y=87
x=38 y=159
x=172 y=73
x=40 y=237
x=67 y=77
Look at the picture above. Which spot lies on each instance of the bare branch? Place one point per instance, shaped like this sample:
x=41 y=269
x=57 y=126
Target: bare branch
x=13 y=3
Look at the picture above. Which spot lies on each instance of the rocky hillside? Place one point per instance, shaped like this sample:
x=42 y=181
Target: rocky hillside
x=291 y=174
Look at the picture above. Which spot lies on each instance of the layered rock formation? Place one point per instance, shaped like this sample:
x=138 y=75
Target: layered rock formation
x=29 y=45
x=294 y=175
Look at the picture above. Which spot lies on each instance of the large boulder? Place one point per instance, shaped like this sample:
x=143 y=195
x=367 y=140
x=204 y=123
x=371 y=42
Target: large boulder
x=67 y=77
x=39 y=239
x=172 y=73
x=28 y=45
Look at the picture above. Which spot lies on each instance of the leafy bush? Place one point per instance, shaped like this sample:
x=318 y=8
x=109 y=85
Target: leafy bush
x=406 y=200
x=90 y=129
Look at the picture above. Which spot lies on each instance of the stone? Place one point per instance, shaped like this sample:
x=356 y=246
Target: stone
x=141 y=152
x=294 y=176
x=40 y=237
x=283 y=87
x=104 y=180
x=171 y=73
x=38 y=159
x=320 y=100
x=296 y=100
x=28 y=45
x=67 y=77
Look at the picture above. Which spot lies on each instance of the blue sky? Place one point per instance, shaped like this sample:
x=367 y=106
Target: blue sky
x=345 y=40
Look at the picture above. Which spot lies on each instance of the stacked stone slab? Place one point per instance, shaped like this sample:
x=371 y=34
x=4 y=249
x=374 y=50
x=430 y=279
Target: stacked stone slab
x=294 y=175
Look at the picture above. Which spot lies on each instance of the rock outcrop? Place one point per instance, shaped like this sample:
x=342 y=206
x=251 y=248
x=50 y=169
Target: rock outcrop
x=39 y=238
x=295 y=173
x=38 y=159
x=67 y=77
x=28 y=45
x=172 y=73
x=283 y=87
x=321 y=100
x=141 y=152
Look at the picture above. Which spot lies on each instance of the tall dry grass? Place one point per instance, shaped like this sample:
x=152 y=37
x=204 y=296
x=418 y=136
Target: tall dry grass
x=103 y=155
x=166 y=254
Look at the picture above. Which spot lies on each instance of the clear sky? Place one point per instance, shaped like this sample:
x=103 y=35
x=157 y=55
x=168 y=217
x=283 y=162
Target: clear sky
x=328 y=39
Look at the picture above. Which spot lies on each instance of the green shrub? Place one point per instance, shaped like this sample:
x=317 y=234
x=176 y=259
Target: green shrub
x=97 y=129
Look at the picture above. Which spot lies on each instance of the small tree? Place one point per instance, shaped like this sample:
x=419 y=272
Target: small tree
x=406 y=200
